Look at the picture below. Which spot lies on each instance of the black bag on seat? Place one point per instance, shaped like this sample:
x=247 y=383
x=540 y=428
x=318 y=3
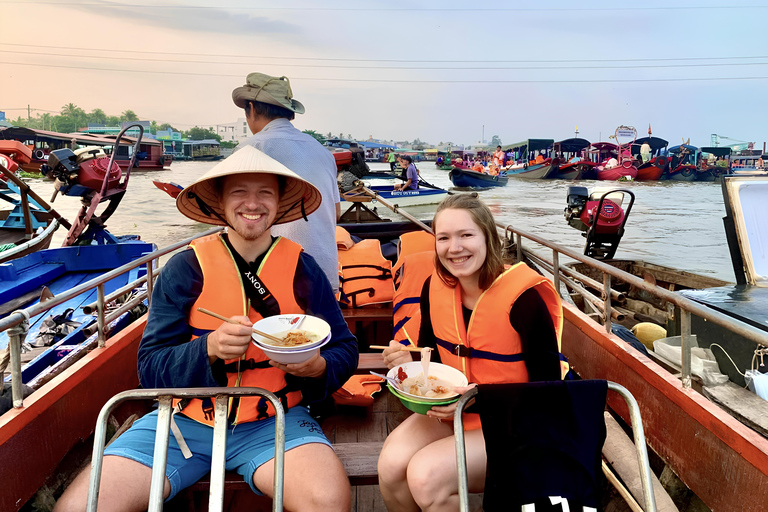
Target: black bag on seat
x=542 y=439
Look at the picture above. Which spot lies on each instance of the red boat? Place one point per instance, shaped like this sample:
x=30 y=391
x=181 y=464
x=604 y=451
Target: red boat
x=41 y=143
x=655 y=168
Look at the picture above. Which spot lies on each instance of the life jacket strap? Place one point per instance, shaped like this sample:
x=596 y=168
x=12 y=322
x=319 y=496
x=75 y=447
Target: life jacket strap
x=473 y=353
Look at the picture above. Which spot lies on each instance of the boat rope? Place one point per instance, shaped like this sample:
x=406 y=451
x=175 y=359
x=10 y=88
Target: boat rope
x=729 y=357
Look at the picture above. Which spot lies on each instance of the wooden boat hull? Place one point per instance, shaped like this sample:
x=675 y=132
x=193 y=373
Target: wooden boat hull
x=616 y=173
x=567 y=172
x=651 y=171
x=474 y=179
x=683 y=173
x=537 y=171
x=724 y=462
x=25 y=247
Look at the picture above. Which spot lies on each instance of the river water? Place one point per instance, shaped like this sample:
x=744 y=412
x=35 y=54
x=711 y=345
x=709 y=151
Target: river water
x=672 y=223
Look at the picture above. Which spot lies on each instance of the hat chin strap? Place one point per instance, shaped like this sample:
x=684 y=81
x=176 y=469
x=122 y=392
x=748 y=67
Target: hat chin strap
x=303 y=211
x=207 y=210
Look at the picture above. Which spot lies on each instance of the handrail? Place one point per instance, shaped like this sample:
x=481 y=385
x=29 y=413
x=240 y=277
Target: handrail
x=17 y=323
x=730 y=323
x=17 y=317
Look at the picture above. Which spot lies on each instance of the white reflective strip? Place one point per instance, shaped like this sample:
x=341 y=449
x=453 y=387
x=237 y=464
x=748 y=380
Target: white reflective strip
x=528 y=508
x=555 y=500
x=179 y=438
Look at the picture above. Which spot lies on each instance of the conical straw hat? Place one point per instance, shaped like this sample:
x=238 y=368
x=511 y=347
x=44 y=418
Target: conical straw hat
x=201 y=198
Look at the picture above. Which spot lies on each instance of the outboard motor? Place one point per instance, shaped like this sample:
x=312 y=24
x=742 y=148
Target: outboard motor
x=600 y=217
x=79 y=173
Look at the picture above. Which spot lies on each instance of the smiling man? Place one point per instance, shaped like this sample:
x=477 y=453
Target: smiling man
x=245 y=274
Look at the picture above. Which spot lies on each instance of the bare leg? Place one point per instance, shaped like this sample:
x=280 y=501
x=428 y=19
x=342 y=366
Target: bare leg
x=314 y=480
x=124 y=487
x=433 y=473
x=416 y=432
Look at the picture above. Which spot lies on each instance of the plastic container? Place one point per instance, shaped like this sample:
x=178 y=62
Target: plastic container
x=703 y=362
x=278 y=325
x=418 y=406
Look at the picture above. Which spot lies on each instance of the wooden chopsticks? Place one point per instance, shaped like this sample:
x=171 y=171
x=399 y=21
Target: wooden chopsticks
x=230 y=321
x=406 y=348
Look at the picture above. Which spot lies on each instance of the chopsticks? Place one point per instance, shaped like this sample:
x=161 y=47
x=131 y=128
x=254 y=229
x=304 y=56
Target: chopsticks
x=230 y=321
x=406 y=348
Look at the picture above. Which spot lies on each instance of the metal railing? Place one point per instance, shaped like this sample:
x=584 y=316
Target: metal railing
x=649 y=499
x=165 y=398
x=605 y=305
x=17 y=323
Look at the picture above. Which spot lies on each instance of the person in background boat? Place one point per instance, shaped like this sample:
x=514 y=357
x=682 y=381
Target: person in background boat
x=498 y=157
x=760 y=165
x=183 y=348
x=269 y=108
x=611 y=163
x=391 y=159
x=511 y=330
x=645 y=152
x=411 y=175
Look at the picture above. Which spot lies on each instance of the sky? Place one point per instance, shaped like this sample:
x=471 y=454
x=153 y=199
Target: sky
x=439 y=71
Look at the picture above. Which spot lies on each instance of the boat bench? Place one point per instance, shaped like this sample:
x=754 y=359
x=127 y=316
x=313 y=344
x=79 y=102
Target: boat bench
x=359 y=461
x=369 y=325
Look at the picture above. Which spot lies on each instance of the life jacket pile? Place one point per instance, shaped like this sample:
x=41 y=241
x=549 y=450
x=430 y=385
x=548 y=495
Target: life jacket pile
x=223 y=292
x=365 y=276
x=415 y=263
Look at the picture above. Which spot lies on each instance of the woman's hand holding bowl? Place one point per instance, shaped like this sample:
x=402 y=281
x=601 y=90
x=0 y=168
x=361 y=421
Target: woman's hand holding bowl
x=445 y=412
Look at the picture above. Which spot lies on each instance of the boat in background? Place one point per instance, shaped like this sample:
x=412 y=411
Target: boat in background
x=683 y=165
x=748 y=165
x=654 y=168
x=42 y=142
x=606 y=153
x=714 y=163
x=408 y=197
x=573 y=164
x=533 y=159
x=466 y=178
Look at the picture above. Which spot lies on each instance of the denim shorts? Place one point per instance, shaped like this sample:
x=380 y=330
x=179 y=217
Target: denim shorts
x=249 y=445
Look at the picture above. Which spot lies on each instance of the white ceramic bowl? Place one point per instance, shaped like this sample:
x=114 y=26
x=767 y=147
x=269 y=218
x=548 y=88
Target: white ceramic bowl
x=292 y=356
x=279 y=325
x=443 y=372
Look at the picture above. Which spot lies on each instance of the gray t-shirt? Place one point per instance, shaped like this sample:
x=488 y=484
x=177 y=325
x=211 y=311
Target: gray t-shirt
x=302 y=154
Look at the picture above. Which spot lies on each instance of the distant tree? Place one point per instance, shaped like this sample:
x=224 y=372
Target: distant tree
x=153 y=127
x=72 y=117
x=113 y=121
x=318 y=136
x=166 y=126
x=495 y=141
x=329 y=136
x=197 y=133
x=97 y=116
x=128 y=116
x=229 y=144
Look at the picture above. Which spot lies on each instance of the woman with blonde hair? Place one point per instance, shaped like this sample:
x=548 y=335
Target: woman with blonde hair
x=496 y=324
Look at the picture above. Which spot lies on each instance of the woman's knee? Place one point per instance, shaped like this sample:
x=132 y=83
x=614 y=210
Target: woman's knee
x=392 y=464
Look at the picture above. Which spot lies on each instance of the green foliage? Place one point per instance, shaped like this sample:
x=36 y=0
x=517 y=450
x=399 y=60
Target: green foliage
x=228 y=144
x=128 y=116
x=495 y=141
x=198 y=133
x=317 y=136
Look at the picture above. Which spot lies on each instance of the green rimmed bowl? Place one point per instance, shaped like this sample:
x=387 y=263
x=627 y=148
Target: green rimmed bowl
x=418 y=406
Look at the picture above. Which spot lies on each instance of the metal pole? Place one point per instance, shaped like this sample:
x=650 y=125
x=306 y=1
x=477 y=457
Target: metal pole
x=607 y=301
x=461 y=451
x=100 y=315
x=16 y=337
x=519 y=243
x=685 y=328
x=150 y=282
x=160 y=460
x=218 y=454
x=556 y=271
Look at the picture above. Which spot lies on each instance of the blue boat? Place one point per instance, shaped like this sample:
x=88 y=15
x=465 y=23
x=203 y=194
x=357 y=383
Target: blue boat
x=474 y=179
x=27 y=280
x=420 y=196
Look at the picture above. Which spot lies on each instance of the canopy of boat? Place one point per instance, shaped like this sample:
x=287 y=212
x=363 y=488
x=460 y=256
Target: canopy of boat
x=83 y=139
x=719 y=151
x=531 y=144
x=678 y=149
x=654 y=142
x=572 y=145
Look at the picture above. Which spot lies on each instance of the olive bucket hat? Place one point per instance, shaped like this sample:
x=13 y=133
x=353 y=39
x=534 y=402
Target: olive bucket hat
x=200 y=200
x=267 y=89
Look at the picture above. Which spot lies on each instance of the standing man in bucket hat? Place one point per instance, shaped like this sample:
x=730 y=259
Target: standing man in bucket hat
x=244 y=274
x=269 y=108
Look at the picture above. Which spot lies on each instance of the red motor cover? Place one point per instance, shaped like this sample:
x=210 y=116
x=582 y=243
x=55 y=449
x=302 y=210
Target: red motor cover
x=343 y=157
x=92 y=172
x=9 y=164
x=610 y=219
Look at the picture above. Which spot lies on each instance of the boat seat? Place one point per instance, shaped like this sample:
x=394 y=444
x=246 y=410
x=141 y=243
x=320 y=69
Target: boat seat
x=359 y=460
x=367 y=314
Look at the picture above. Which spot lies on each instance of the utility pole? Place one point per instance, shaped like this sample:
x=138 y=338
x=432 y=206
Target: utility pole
x=29 y=114
x=482 y=139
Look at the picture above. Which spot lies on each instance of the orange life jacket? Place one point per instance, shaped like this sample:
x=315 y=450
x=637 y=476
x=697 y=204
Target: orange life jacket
x=489 y=351
x=410 y=273
x=366 y=276
x=413 y=242
x=498 y=158
x=223 y=293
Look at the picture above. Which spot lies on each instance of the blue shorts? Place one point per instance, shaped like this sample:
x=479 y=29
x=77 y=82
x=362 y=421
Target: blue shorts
x=249 y=445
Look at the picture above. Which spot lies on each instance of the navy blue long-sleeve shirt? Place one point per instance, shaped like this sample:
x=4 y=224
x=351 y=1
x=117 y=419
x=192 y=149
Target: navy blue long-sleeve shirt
x=169 y=357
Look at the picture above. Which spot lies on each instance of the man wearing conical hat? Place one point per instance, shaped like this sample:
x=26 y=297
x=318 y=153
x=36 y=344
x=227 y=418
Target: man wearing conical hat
x=269 y=107
x=244 y=274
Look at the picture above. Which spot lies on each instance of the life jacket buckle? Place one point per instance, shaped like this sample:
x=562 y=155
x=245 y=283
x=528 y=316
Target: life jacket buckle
x=462 y=351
